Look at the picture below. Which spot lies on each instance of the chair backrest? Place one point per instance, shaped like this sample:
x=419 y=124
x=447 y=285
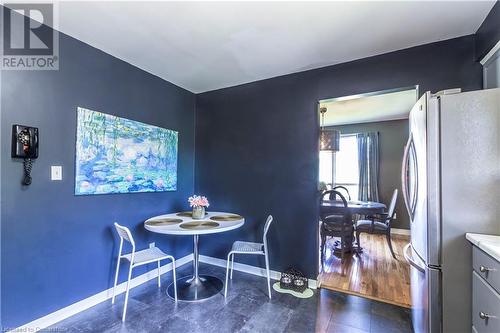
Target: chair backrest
x=343 y=188
x=392 y=205
x=266 y=229
x=338 y=219
x=333 y=194
x=124 y=234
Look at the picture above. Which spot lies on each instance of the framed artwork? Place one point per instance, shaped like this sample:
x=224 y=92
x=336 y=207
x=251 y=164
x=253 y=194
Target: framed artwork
x=118 y=155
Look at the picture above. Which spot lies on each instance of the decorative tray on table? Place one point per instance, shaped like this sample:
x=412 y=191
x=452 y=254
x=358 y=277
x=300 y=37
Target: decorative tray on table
x=163 y=221
x=226 y=218
x=199 y=225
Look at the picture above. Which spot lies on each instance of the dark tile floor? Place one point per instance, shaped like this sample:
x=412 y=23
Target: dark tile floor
x=246 y=309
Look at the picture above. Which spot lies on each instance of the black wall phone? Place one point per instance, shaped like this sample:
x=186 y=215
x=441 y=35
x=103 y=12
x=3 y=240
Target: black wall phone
x=25 y=145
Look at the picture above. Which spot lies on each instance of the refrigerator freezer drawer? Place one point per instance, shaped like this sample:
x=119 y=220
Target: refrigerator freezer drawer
x=425 y=294
x=426 y=300
x=486 y=267
x=485 y=306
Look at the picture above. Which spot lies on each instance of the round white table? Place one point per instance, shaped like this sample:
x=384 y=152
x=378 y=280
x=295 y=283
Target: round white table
x=196 y=287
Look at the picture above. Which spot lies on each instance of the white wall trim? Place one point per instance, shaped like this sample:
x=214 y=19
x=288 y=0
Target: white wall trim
x=105 y=295
x=490 y=54
x=396 y=231
x=248 y=269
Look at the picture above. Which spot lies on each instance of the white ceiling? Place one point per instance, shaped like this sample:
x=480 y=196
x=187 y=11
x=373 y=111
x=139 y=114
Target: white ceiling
x=361 y=109
x=203 y=46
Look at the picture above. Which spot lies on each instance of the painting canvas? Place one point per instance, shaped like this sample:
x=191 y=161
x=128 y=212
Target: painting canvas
x=117 y=155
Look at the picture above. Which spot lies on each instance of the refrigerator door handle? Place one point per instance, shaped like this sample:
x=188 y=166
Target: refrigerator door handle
x=410 y=260
x=404 y=175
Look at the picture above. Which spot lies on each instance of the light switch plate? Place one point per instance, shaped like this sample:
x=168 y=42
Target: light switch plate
x=56 y=172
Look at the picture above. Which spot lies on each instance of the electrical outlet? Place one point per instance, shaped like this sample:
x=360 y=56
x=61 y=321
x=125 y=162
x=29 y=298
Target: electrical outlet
x=151 y=245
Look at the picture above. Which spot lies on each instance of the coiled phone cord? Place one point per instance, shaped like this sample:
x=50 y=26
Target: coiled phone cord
x=28 y=164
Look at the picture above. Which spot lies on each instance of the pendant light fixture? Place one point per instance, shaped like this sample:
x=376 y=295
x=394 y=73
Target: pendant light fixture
x=329 y=139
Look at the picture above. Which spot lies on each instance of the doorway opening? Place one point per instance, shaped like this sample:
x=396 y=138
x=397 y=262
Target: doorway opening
x=364 y=224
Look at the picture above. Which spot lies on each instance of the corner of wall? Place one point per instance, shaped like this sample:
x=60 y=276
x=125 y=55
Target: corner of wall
x=488 y=33
x=195 y=187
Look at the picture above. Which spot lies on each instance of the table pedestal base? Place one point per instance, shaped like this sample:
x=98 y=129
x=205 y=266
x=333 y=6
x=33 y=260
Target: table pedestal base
x=337 y=248
x=192 y=290
x=196 y=287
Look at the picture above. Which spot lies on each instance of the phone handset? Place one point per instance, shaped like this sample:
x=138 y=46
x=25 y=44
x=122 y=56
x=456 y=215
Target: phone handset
x=26 y=139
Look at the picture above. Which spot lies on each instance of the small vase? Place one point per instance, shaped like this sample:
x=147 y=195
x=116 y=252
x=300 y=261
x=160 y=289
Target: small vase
x=198 y=212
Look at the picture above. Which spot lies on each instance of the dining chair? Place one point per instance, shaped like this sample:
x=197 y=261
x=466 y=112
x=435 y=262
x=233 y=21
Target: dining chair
x=240 y=247
x=336 y=225
x=379 y=223
x=138 y=258
x=337 y=188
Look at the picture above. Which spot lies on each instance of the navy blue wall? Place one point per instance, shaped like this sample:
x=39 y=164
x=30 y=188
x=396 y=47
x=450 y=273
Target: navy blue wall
x=58 y=248
x=257 y=144
x=488 y=33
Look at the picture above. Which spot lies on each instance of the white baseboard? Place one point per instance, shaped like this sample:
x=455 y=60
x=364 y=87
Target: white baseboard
x=86 y=303
x=396 y=231
x=248 y=269
x=70 y=310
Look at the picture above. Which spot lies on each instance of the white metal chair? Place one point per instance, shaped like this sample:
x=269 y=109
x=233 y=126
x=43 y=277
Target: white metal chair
x=136 y=259
x=240 y=247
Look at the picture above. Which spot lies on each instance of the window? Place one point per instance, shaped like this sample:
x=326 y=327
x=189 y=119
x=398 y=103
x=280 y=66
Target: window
x=342 y=167
x=326 y=167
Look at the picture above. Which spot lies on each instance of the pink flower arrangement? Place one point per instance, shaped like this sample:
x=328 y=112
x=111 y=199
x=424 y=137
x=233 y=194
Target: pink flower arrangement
x=198 y=201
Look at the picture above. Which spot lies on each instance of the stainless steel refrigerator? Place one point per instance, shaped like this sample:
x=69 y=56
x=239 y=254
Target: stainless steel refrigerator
x=451 y=182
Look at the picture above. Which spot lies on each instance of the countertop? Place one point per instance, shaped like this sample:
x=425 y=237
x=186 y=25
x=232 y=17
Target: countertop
x=488 y=243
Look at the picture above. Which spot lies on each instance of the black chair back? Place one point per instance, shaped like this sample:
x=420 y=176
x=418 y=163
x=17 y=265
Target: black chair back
x=392 y=207
x=331 y=194
x=341 y=221
x=340 y=187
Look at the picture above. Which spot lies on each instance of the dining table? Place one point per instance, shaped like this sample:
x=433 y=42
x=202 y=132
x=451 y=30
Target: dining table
x=197 y=286
x=355 y=207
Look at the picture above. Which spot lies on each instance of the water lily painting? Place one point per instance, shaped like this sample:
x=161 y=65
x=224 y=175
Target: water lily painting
x=117 y=155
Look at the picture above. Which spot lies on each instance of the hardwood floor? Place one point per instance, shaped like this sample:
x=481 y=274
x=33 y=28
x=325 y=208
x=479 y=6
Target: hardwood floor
x=373 y=274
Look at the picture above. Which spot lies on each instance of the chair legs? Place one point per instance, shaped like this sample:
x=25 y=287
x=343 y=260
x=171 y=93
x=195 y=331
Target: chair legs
x=389 y=242
x=116 y=280
x=357 y=239
x=323 y=244
x=126 y=292
x=387 y=236
x=227 y=273
x=342 y=249
x=128 y=283
x=268 y=276
x=159 y=282
x=174 y=276
x=232 y=266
